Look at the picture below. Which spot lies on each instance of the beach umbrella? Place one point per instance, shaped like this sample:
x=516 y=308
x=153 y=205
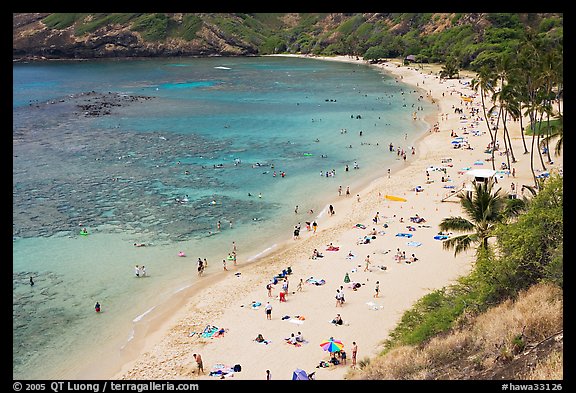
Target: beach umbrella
x=299 y=375
x=332 y=345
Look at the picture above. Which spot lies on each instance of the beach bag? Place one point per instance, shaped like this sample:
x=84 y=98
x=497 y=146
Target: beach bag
x=237 y=368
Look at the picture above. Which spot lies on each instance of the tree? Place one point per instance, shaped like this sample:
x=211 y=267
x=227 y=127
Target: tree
x=485 y=210
x=375 y=53
x=531 y=248
x=485 y=82
x=450 y=69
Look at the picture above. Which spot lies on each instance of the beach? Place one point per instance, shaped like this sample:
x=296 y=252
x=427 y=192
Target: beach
x=234 y=301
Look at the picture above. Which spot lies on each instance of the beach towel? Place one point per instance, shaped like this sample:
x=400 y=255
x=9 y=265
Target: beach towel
x=209 y=331
x=220 y=370
x=316 y=281
x=296 y=321
x=374 y=306
x=440 y=237
x=404 y=234
x=414 y=244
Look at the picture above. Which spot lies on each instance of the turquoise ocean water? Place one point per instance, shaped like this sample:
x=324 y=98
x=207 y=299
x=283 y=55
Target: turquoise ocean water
x=138 y=151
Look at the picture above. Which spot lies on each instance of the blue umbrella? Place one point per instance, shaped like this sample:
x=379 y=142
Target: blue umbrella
x=299 y=375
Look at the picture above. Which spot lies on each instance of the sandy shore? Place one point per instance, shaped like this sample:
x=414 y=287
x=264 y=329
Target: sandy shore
x=226 y=300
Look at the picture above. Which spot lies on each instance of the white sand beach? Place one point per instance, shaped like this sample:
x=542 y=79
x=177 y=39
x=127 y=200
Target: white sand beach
x=225 y=300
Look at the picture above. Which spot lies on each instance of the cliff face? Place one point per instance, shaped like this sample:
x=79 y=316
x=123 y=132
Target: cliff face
x=32 y=39
x=88 y=36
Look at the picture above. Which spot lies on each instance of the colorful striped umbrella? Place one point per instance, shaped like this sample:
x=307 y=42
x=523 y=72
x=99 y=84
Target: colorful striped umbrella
x=332 y=345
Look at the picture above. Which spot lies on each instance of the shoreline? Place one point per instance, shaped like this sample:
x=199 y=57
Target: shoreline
x=166 y=352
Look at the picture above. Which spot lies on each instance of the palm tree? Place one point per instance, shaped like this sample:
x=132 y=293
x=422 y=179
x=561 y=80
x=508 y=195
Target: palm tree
x=557 y=133
x=485 y=210
x=485 y=82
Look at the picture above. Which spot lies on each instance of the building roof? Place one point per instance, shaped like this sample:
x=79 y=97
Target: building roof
x=484 y=173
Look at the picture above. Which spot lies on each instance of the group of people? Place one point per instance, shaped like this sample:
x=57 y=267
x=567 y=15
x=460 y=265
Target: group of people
x=400 y=256
x=295 y=339
x=201 y=265
x=140 y=271
x=339 y=298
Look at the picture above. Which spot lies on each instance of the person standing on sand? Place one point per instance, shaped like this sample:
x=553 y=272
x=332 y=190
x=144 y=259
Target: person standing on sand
x=268 y=375
x=367 y=260
x=268 y=310
x=269 y=288
x=314 y=226
x=199 y=363
x=354 y=352
x=224 y=264
x=339 y=298
x=300 y=286
x=377 y=289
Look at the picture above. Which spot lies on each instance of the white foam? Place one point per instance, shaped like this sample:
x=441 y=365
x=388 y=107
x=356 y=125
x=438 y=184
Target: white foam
x=139 y=317
x=267 y=250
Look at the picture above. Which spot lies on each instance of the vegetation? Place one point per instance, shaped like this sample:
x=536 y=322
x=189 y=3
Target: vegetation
x=464 y=40
x=526 y=260
x=478 y=346
x=486 y=208
x=154 y=27
x=513 y=296
x=525 y=81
